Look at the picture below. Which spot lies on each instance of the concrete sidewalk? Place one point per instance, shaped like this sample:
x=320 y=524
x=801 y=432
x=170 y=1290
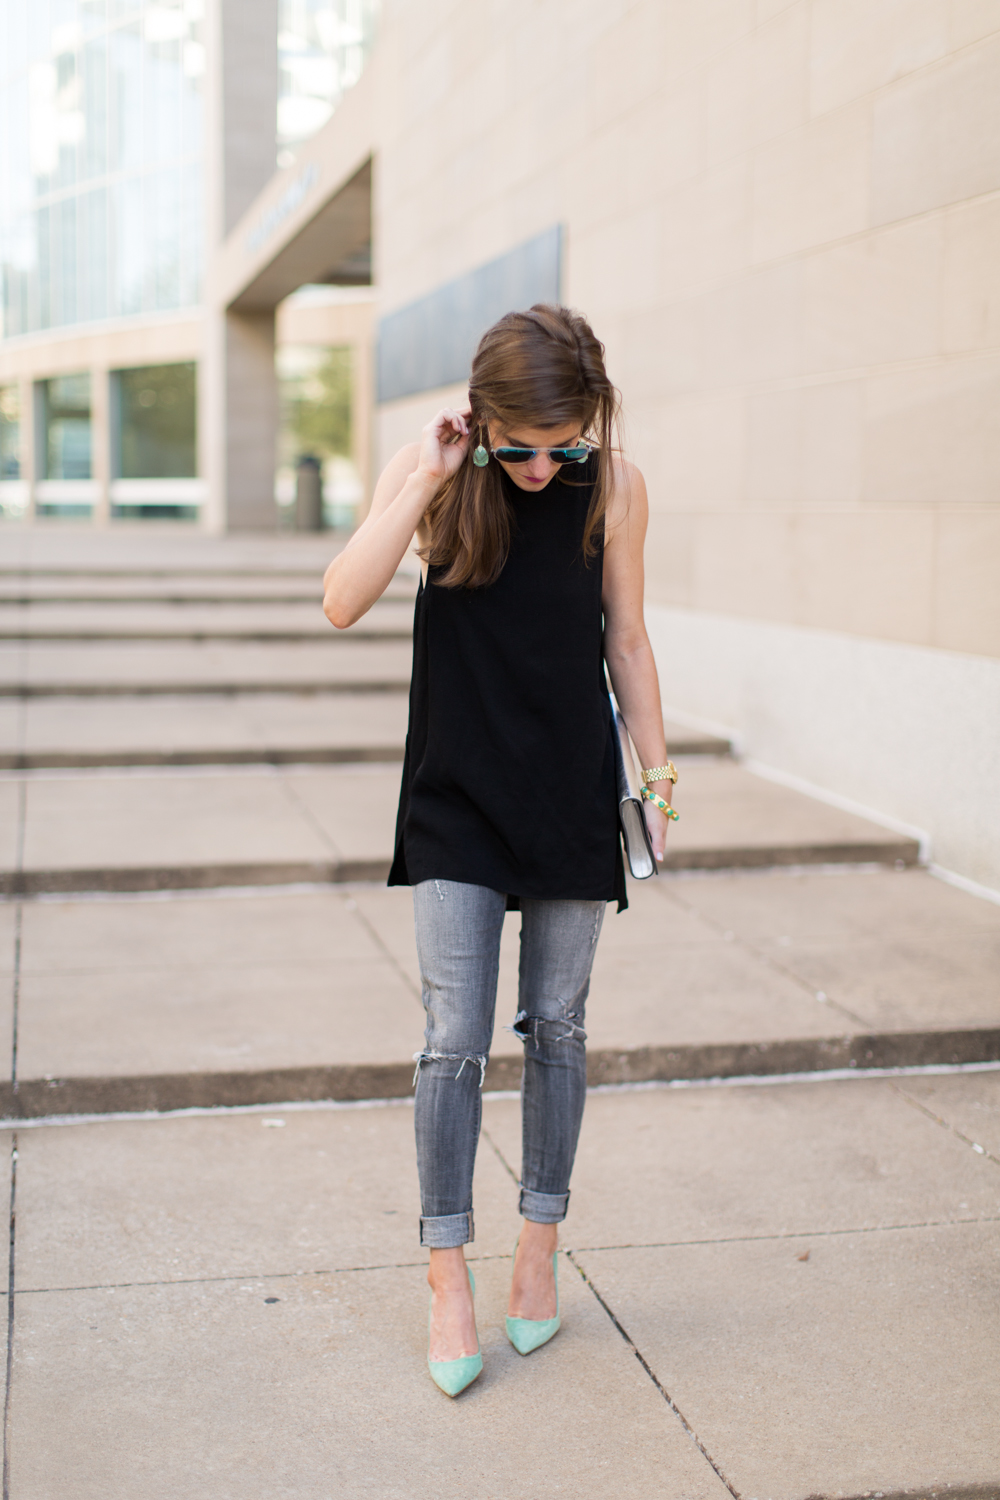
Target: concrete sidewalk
x=774 y=1292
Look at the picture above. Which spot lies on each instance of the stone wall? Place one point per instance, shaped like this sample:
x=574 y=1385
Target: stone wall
x=784 y=220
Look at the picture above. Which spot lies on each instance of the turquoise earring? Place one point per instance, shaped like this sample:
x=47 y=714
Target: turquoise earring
x=480 y=457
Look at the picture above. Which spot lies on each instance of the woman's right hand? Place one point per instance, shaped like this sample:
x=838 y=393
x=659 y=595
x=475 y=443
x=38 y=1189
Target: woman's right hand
x=443 y=446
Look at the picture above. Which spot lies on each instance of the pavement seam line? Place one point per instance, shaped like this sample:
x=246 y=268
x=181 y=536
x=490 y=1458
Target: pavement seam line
x=499 y=1155
x=767 y=959
x=791 y=1234
x=416 y=1265
x=125 y=1286
x=354 y=907
x=307 y=815
x=8 y=1379
x=945 y=1124
x=689 y=1430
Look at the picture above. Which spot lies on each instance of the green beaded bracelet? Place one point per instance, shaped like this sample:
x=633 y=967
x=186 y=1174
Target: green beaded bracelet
x=664 y=807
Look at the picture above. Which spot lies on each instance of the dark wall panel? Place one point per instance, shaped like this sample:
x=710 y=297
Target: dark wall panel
x=431 y=342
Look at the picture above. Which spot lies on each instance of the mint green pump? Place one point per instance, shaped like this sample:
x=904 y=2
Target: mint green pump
x=528 y=1334
x=453 y=1375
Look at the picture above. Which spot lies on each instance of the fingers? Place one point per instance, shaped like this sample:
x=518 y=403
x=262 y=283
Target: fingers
x=445 y=444
x=658 y=825
x=449 y=426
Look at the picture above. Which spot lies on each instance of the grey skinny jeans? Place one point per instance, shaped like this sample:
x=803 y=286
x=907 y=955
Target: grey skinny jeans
x=458 y=944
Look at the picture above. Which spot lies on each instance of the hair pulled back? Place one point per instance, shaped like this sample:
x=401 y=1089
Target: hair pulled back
x=544 y=369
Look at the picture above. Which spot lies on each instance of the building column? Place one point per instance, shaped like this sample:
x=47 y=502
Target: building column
x=100 y=444
x=238 y=421
x=39 y=437
x=28 y=440
x=238 y=403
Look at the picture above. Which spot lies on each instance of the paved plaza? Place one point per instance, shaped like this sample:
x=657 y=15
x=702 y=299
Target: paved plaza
x=777 y=1284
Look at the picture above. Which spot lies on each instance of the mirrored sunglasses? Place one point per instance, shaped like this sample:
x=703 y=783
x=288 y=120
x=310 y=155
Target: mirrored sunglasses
x=577 y=455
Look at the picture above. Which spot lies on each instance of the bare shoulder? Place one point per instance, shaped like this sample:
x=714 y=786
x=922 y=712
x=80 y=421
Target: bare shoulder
x=627 y=502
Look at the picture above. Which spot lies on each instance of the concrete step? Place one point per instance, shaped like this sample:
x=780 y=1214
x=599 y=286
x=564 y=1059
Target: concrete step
x=196 y=1001
x=147 y=569
x=225 y=729
x=172 y=830
x=387 y=620
x=200 y=586
x=39 y=1098
x=180 y=591
x=40 y=669
x=203 y=729
x=148 y=547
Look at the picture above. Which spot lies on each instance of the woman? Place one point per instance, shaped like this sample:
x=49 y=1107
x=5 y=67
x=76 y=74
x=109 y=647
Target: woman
x=530 y=529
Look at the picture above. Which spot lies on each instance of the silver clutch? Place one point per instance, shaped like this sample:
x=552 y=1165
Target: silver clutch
x=635 y=834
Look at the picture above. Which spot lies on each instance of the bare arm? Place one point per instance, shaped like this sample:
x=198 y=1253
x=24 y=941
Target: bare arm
x=626 y=645
x=408 y=484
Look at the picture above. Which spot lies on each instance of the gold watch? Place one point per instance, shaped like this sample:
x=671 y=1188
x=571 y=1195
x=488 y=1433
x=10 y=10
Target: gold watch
x=660 y=773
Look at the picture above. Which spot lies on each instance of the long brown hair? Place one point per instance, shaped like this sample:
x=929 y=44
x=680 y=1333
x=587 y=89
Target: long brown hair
x=541 y=368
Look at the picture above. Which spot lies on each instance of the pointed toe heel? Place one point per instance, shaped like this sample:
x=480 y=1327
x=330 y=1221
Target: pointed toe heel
x=528 y=1334
x=453 y=1375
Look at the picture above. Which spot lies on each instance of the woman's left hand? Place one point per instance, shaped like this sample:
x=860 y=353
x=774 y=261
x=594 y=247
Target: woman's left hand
x=657 y=823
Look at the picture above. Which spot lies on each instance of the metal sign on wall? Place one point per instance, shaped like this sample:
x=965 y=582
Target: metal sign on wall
x=430 y=342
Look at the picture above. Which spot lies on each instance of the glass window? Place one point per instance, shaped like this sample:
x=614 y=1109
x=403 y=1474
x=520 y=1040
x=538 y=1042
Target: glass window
x=157 y=422
x=323 y=46
x=10 y=432
x=100 y=161
x=66 y=418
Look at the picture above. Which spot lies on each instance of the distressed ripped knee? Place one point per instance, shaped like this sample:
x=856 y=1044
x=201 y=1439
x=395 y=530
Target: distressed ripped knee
x=478 y=1060
x=541 y=1029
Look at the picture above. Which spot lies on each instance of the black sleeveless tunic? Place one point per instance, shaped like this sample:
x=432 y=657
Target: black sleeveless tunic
x=509 y=772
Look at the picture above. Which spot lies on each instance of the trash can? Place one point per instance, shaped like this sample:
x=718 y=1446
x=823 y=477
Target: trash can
x=308 y=494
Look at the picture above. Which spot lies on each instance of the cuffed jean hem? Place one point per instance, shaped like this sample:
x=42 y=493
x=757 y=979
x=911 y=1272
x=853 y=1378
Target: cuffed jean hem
x=543 y=1208
x=447 y=1232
